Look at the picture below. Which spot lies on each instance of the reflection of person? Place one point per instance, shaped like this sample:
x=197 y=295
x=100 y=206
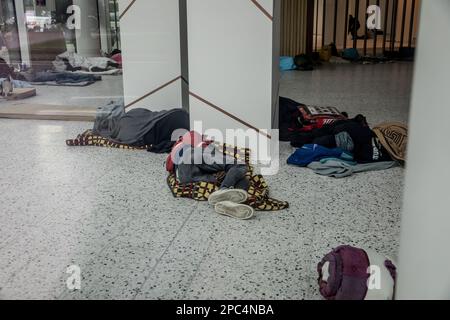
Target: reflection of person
x=11 y=40
x=5 y=70
x=353 y=27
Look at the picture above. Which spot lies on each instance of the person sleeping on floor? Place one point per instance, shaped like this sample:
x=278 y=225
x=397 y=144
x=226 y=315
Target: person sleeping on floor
x=140 y=127
x=197 y=160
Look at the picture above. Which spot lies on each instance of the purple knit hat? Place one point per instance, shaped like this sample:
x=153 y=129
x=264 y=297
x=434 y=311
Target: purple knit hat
x=348 y=274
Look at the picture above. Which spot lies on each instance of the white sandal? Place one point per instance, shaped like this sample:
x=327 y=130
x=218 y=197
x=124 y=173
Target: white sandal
x=234 y=210
x=232 y=195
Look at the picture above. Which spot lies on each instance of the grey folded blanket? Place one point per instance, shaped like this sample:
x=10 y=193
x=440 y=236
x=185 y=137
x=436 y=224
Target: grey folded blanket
x=341 y=169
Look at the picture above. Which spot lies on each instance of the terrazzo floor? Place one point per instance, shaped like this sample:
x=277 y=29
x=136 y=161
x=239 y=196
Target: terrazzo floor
x=110 y=212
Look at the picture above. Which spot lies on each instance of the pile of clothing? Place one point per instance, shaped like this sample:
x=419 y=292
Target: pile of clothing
x=339 y=147
x=61 y=78
x=155 y=131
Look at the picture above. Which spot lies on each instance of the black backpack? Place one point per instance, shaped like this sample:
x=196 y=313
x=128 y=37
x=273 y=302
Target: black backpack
x=5 y=70
x=304 y=62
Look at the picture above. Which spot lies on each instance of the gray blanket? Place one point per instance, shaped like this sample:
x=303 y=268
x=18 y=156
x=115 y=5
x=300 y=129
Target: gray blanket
x=337 y=168
x=126 y=127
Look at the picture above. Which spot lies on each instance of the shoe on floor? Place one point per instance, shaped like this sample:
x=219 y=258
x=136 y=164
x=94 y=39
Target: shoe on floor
x=234 y=210
x=232 y=195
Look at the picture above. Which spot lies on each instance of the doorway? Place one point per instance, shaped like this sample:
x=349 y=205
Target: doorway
x=345 y=23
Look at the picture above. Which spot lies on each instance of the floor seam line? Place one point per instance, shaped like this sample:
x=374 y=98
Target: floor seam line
x=164 y=253
x=191 y=280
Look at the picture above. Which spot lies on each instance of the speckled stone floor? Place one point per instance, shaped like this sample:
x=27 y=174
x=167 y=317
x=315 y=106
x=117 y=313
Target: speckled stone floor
x=110 y=212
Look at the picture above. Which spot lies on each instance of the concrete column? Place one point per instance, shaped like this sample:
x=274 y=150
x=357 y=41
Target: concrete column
x=88 y=36
x=233 y=64
x=150 y=35
x=424 y=261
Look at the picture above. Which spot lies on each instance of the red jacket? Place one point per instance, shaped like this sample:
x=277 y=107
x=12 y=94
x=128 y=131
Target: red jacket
x=191 y=138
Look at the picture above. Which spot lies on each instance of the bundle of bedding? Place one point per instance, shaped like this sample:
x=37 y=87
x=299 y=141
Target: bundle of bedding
x=73 y=62
x=64 y=78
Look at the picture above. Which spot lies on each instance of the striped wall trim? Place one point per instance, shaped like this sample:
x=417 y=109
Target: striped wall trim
x=261 y=8
x=255 y=2
x=126 y=9
x=223 y=111
x=153 y=92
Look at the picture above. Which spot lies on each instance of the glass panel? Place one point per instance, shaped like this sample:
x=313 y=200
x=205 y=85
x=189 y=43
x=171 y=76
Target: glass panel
x=9 y=35
x=48 y=35
x=71 y=62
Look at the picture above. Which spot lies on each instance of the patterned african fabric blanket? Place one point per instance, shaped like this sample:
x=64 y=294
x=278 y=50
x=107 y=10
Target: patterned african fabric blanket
x=88 y=138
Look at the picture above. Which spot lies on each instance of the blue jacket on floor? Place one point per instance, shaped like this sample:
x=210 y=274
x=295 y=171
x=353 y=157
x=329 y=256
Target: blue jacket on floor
x=313 y=152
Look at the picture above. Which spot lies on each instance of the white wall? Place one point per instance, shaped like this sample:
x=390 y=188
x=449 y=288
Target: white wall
x=150 y=32
x=425 y=238
x=230 y=62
